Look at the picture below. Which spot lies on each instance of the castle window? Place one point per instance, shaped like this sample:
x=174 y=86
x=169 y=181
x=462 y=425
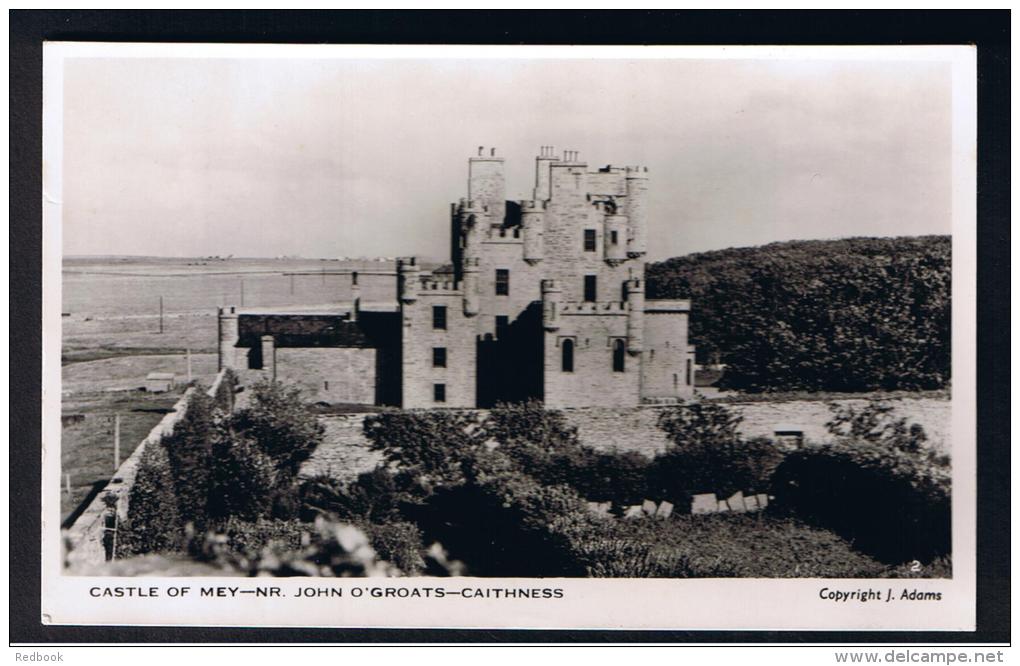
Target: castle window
x=590 y=288
x=439 y=357
x=502 y=324
x=589 y=240
x=439 y=316
x=502 y=282
x=613 y=237
x=568 y=356
x=687 y=373
x=618 y=355
x=439 y=393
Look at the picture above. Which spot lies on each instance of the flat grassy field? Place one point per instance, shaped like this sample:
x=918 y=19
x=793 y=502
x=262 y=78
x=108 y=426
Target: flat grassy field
x=86 y=447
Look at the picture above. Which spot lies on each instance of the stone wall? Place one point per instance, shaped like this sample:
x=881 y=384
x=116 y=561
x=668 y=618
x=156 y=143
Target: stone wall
x=593 y=380
x=85 y=537
x=344 y=453
x=331 y=374
x=635 y=428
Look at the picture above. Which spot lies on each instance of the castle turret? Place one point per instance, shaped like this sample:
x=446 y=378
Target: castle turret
x=635 y=315
x=546 y=156
x=487 y=183
x=533 y=221
x=614 y=238
x=470 y=285
x=472 y=212
x=637 y=214
x=407 y=271
x=552 y=293
x=229 y=331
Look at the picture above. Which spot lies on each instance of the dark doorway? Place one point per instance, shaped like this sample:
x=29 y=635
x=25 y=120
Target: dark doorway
x=510 y=362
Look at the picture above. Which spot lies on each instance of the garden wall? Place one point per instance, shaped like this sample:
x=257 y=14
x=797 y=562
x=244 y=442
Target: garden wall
x=344 y=452
x=635 y=429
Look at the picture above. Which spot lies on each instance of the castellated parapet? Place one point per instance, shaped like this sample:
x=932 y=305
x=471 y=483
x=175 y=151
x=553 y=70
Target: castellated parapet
x=545 y=300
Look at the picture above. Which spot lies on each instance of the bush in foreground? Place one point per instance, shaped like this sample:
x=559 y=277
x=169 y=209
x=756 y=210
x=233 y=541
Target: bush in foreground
x=709 y=455
x=890 y=503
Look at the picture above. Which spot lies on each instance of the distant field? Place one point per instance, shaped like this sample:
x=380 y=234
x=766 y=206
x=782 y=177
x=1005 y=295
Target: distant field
x=111 y=338
x=112 y=305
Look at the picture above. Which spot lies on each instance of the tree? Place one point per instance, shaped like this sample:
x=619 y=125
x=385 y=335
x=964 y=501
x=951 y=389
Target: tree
x=855 y=314
x=244 y=479
x=709 y=455
x=278 y=423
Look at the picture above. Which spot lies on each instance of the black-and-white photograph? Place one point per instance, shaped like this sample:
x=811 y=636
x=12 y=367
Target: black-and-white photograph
x=513 y=314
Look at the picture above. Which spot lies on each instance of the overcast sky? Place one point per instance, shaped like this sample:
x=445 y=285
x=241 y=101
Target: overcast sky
x=323 y=158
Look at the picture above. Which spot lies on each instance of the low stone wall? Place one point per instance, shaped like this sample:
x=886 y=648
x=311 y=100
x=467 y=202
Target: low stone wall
x=344 y=452
x=85 y=537
x=636 y=429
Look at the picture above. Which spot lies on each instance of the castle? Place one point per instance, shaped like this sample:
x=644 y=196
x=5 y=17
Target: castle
x=545 y=300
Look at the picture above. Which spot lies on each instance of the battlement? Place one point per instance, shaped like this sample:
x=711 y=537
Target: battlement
x=503 y=235
x=590 y=308
x=435 y=286
x=486 y=154
x=637 y=172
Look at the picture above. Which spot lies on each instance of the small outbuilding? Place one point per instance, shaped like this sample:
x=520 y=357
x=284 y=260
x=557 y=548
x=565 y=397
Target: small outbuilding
x=160 y=382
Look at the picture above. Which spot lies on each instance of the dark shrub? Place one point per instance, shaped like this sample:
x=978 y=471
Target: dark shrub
x=399 y=543
x=890 y=503
x=277 y=422
x=510 y=525
x=247 y=539
x=531 y=435
x=709 y=455
x=732 y=545
x=290 y=548
x=154 y=524
x=189 y=448
x=876 y=423
x=225 y=392
x=614 y=476
x=374 y=496
x=431 y=447
x=244 y=479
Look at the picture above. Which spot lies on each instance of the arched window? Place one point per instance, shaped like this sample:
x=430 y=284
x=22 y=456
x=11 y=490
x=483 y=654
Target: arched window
x=619 y=351
x=568 y=356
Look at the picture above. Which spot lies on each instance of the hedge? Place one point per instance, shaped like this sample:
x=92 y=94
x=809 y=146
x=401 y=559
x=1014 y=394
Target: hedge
x=891 y=503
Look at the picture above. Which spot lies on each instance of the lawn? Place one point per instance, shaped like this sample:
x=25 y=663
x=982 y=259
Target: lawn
x=86 y=447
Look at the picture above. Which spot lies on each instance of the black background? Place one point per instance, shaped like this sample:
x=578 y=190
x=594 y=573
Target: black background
x=989 y=30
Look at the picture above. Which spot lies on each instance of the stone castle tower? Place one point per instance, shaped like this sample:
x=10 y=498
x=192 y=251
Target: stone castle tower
x=545 y=300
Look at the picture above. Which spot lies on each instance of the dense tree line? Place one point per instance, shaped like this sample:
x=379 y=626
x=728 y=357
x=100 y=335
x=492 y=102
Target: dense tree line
x=855 y=314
